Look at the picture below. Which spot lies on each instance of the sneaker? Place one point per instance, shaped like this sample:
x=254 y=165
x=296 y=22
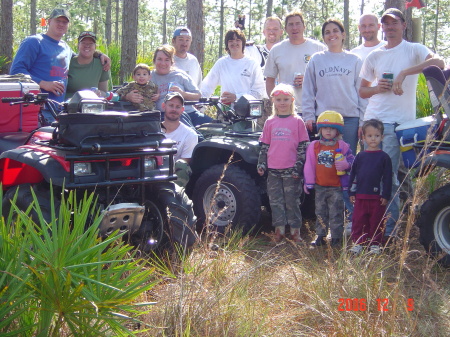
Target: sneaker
x=375 y=249
x=295 y=236
x=348 y=229
x=356 y=249
x=320 y=241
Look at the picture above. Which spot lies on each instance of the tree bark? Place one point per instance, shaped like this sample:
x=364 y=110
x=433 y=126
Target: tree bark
x=269 y=8
x=346 y=24
x=164 y=23
x=222 y=10
x=129 y=38
x=108 y=23
x=116 y=35
x=195 y=22
x=32 y=17
x=6 y=34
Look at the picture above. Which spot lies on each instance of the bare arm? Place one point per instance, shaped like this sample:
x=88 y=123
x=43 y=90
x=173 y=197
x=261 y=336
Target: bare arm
x=103 y=86
x=367 y=91
x=431 y=60
x=270 y=84
x=188 y=96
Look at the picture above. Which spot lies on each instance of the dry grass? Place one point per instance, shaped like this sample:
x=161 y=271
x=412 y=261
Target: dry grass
x=245 y=286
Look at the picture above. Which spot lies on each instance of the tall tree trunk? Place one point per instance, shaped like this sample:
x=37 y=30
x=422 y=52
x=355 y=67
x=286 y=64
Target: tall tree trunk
x=32 y=17
x=269 y=8
x=6 y=34
x=108 y=23
x=346 y=24
x=436 y=26
x=222 y=10
x=116 y=35
x=164 y=23
x=129 y=38
x=195 y=22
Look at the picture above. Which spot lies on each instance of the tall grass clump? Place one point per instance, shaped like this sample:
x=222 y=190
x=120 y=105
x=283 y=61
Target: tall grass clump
x=61 y=279
x=423 y=104
x=238 y=285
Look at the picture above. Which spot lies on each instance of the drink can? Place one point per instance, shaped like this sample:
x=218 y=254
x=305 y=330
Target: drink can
x=297 y=73
x=389 y=76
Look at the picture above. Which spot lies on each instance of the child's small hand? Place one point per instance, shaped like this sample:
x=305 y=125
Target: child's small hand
x=306 y=189
x=260 y=171
x=155 y=97
x=352 y=199
x=342 y=165
x=384 y=201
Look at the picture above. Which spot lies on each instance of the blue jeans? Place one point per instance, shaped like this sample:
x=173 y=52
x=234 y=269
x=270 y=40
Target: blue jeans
x=350 y=136
x=391 y=146
x=199 y=118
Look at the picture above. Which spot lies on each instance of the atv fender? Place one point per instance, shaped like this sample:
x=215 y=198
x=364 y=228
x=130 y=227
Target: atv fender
x=29 y=165
x=436 y=159
x=218 y=150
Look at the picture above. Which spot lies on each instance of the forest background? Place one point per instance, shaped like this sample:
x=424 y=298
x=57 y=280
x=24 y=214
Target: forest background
x=130 y=30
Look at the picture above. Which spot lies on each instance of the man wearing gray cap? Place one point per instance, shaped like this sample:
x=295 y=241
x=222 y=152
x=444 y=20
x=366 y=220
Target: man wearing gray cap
x=182 y=39
x=393 y=101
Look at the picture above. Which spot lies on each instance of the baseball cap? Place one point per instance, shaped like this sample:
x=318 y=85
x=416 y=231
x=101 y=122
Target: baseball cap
x=86 y=34
x=173 y=94
x=58 y=12
x=182 y=31
x=393 y=13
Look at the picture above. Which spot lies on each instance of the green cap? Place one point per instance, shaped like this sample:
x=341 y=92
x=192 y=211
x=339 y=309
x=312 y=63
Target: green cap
x=58 y=12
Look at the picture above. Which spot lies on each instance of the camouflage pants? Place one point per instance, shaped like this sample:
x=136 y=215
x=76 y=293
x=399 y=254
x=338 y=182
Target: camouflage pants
x=329 y=211
x=284 y=193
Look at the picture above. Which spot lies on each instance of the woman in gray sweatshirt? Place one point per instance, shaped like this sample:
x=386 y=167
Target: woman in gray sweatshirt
x=331 y=82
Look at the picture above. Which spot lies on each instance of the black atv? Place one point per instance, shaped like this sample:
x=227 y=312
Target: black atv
x=225 y=186
x=122 y=157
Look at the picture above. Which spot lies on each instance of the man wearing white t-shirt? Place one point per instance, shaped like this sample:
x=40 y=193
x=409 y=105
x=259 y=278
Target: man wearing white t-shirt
x=288 y=59
x=181 y=41
x=394 y=102
x=368 y=28
x=186 y=137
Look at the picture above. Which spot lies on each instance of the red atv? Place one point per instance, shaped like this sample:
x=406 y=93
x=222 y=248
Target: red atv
x=122 y=157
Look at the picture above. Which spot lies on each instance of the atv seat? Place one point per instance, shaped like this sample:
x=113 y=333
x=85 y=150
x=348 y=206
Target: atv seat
x=438 y=87
x=11 y=140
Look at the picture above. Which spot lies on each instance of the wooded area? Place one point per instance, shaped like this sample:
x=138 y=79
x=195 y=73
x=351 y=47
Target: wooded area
x=136 y=28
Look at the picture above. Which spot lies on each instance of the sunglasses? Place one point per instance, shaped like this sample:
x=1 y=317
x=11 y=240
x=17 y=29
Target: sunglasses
x=281 y=92
x=90 y=34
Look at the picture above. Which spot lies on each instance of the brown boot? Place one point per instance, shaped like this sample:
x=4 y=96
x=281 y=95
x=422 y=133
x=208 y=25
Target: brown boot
x=279 y=234
x=295 y=236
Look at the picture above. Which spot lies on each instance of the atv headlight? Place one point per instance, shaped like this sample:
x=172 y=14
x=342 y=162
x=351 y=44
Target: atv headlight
x=82 y=169
x=149 y=163
x=92 y=108
x=255 y=110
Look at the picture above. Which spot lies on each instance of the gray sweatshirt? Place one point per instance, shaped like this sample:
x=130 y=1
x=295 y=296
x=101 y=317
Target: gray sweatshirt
x=332 y=82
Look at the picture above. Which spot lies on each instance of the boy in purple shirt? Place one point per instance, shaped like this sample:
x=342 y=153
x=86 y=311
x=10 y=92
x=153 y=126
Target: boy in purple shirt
x=370 y=191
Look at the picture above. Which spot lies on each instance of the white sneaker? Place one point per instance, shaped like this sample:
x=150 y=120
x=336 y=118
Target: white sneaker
x=348 y=229
x=375 y=249
x=356 y=249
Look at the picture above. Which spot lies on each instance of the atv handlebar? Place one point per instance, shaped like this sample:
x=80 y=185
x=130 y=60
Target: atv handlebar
x=29 y=98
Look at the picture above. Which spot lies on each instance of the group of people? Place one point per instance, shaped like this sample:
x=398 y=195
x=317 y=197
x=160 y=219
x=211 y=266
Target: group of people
x=343 y=93
x=347 y=97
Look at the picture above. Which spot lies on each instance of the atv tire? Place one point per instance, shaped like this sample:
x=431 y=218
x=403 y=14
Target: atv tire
x=231 y=199
x=169 y=218
x=434 y=225
x=25 y=199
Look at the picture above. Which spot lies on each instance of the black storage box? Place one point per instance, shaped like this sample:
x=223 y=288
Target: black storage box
x=108 y=131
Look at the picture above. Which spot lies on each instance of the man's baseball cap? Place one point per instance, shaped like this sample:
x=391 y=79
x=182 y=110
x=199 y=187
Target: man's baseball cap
x=182 y=31
x=86 y=34
x=173 y=94
x=393 y=13
x=58 y=12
